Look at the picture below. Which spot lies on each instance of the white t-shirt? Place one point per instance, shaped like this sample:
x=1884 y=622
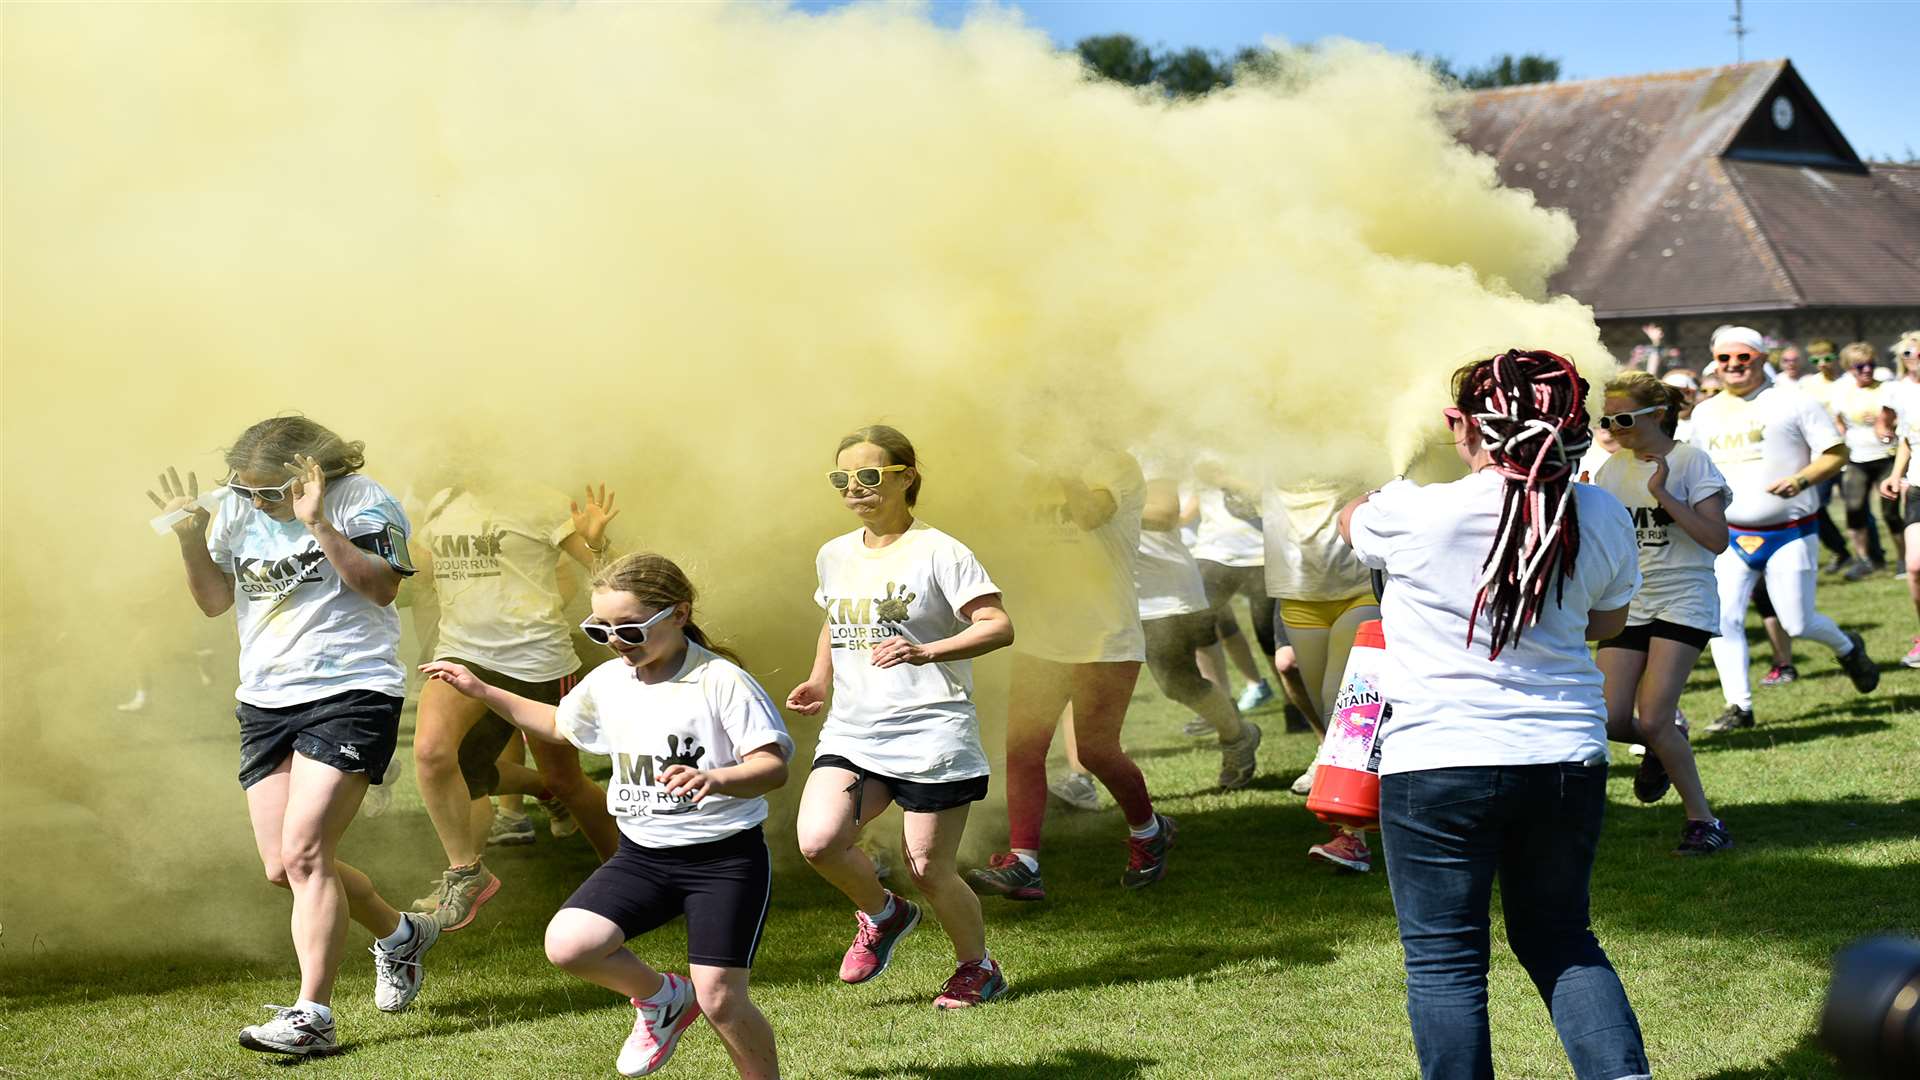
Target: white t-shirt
x=1540 y=702
x=1228 y=531
x=1760 y=440
x=1903 y=397
x=493 y=570
x=1818 y=386
x=1676 y=573
x=907 y=722
x=1306 y=558
x=708 y=716
x=304 y=635
x=1079 y=605
x=1859 y=406
x=1164 y=573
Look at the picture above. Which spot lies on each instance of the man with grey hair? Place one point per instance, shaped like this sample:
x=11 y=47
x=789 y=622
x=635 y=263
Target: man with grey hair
x=1774 y=446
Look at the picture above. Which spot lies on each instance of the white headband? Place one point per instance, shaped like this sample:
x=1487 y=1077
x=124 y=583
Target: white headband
x=1740 y=335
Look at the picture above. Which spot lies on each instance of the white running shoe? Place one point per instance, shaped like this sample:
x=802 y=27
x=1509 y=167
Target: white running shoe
x=559 y=819
x=378 y=800
x=657 y=1029
x=1255 y=695
x=397 y=975
x=1077 y=790
x=1304 y=785
x=293 y=1030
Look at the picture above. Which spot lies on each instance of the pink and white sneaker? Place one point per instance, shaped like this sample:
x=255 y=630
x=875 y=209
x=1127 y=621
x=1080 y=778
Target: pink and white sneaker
x=1346 y=849
x=874 y=939
x=1912 y=659
x=657 y=1029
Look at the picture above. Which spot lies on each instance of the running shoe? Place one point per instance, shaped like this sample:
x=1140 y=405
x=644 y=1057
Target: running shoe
x=657 y=1028
x=1077 y=790
x=975 y=983
x=1650 y=784
x=1781 y=675
x=1704 y=838
x=1147 y=859
x=1255 y=695
x=510 y=830
x=1859 y=570
x=464 y=889
x=1237 y=762
x=396 y=974
x=1838 y=563
x=430 y=903
x=1303 y=784
x=1912 y=659
x=1859 y=666
x=1005 y=875
x=1345 y=849
x=873 y=941
x=1198 y=728
x=559 y=819
x=293 y=1030
x=1296 y=720
x=1638 y=749
x=1733 y=719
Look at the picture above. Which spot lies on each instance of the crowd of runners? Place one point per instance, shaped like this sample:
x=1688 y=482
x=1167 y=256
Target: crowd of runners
x=1647 y=531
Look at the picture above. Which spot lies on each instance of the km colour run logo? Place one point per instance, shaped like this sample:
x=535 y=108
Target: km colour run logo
x=263 y=580
x=861 y=623
x=463 y=556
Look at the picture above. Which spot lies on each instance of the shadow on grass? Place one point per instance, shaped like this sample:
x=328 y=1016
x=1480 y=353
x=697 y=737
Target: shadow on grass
x=1066 y=1063
x=1805 y=1061
x=1767 y=735
x=49 y=981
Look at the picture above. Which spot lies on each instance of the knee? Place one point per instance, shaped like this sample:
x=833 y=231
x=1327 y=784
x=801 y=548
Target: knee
x=435 y=757
x=720 y=999
x=566 y=951
x=276 y=873
x=300 y=859
x=563 y=784
x=927 y=869
x=1284 y=661
x=820 y=845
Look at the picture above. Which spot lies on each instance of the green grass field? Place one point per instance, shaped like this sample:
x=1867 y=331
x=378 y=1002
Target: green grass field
x=1248 y=960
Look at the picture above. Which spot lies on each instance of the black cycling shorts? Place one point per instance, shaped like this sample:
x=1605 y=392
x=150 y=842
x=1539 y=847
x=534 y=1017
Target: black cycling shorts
x=722 y=887
x=1637 y=638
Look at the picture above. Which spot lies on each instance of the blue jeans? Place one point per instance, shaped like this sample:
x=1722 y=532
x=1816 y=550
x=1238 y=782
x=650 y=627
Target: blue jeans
x=1448 y=834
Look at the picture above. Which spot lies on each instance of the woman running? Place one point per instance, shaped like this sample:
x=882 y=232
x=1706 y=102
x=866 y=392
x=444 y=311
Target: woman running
x=695 y=744
x=1323 y=593
x=1900 y=417
x=1856 y=401
x=1679 y=505
x=1495 y=763
x=492 y=559
x=312 y=553
x=908 y=607
x=1083 y=646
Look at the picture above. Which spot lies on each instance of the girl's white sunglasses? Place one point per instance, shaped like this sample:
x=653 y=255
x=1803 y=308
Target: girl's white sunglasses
x=632 y=633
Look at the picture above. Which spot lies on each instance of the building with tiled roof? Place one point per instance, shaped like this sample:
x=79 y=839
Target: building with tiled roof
x=1712 y=196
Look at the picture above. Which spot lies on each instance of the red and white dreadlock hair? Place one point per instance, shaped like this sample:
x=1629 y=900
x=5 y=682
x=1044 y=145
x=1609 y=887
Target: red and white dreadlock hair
x=1530 y=410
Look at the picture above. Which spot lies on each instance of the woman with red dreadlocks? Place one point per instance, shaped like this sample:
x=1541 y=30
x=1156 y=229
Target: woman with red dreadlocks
x=1495 y=762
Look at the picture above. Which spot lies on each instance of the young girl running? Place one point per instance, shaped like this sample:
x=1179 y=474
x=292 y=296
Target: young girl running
x=1678 y=502
x=1084 y=646
x=695 y=744
x=492 y=559
x=312 y=553
x=908 y=607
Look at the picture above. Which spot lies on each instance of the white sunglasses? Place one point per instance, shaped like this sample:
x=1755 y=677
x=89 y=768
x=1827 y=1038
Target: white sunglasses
x=1625 y=420
x=631 y=633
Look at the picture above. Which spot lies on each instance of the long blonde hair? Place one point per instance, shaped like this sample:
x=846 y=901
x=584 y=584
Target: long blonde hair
x=657 y=580
x=271 y=445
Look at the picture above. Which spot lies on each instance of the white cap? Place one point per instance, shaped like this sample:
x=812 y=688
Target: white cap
x=1739 y=335
x=1680 y=379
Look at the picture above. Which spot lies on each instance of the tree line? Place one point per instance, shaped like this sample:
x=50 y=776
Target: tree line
x=1192 y=71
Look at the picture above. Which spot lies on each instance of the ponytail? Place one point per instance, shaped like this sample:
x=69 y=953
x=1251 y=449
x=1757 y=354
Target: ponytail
x=656 y=580
x=1530 y=410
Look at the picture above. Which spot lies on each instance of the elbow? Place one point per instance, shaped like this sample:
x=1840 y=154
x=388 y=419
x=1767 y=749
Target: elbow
x=1716 y=545
x=777 y=776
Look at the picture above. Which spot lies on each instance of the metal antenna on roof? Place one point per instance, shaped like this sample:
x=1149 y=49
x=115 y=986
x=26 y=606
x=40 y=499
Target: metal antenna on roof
x=1740 y=32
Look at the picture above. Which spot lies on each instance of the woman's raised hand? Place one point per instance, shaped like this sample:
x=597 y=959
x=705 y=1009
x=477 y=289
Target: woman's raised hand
x=174 y=495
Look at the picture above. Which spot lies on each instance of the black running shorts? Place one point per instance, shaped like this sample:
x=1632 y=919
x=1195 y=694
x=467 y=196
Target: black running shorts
x=480 y=748
x=914 y=796
x=721 y=886
x=1637 y=638
x=354 y=732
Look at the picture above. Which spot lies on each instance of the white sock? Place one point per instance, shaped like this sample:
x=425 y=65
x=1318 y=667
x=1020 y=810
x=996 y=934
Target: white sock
x=886 y=910
x=323 y=1012
x=1148 y=831
x=400 y=936
x=1028 y=861
x=661 y=996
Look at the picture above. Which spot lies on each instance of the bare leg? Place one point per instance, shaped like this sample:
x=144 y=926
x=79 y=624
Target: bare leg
x=828 y=832
x=1071 y=749
x=514 y=754
x=594 y=948
x=1213 y=666
x=1780 y=641
x=737 y=1020
x=1621 y=669
x=1286 y=666
x=1667 y=665
x=1236 y=644
x=1101 y=693
x=933 y=848
x=584 y=799
x=446 y=716
x=1037 y=692
x=321 y=802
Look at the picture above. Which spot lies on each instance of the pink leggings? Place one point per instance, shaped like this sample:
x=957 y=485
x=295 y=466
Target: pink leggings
x=1099 y=693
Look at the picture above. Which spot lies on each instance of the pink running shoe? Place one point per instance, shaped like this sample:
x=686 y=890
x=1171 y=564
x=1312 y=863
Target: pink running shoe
x=657 y=1029
x=873 y=942
x=973 y=984
x=1346 y=849
x=1912 y=659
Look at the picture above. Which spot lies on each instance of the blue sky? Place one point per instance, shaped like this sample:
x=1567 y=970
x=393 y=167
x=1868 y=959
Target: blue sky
x=1848 y=52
